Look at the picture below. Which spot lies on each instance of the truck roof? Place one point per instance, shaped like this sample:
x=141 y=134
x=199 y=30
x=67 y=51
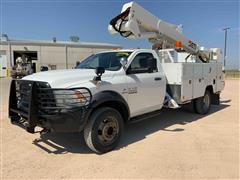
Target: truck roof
x=122 y=50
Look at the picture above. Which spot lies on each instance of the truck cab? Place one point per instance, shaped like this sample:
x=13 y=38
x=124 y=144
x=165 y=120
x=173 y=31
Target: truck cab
x=141 y=82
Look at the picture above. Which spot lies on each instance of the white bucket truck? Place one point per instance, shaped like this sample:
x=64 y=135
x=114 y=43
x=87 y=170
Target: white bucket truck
x=111 y=88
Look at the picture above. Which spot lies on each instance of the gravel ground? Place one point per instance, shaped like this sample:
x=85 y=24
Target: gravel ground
x=176 y=145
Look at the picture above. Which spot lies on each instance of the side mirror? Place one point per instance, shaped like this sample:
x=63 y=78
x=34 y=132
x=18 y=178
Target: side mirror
x=99 y=71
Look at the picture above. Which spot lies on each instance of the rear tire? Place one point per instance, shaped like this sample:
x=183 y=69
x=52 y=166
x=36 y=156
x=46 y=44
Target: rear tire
x=104 y=129
x=202 y=105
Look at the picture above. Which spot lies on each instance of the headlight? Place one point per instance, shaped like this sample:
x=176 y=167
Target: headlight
x=77 y=97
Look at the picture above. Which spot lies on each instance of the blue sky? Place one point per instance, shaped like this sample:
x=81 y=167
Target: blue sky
x=202 y=21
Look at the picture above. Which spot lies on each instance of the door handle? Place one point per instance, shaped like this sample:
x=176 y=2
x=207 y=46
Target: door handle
x=157 y=78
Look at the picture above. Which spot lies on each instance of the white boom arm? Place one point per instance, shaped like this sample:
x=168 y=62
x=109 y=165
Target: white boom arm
x=135 y=22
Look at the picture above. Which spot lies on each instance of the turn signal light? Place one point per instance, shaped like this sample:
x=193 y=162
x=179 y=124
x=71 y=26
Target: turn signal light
x=80 y=96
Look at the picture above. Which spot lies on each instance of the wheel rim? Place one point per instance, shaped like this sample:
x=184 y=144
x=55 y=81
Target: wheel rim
x=206 y=101
x=108 y=130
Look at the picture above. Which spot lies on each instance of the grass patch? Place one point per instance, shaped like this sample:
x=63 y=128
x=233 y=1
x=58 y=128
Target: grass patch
x=232 y=74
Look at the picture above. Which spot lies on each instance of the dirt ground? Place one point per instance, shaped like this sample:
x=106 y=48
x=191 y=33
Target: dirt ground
x=175 y=145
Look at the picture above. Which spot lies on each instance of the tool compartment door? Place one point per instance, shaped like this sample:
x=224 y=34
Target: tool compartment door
x=198 y=80
x=173 y=73
x=220 y=78
x=187 y=82
x=209 y=74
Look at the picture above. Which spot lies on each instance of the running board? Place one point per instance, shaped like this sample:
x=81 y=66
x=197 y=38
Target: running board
x=145 y=116
x=169 y=102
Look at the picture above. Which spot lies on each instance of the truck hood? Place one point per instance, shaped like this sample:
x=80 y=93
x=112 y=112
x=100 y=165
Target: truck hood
x=67 y=78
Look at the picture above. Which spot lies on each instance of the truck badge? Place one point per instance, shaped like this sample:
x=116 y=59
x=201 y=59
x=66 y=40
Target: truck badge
x=132 y=90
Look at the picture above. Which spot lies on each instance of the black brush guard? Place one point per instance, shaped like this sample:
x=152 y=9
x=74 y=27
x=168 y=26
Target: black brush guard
x=33 y=103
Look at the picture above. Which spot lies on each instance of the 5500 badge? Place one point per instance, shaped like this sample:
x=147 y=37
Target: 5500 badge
x=131 y=90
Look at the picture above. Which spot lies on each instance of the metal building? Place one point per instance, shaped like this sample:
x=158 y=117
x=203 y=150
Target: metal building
x=54 y=54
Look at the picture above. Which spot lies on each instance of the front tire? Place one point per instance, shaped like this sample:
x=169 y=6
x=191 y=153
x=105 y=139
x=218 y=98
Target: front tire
x=202 y=105
x=104 y=129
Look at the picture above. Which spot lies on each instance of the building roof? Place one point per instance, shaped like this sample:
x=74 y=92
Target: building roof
x=58 y=43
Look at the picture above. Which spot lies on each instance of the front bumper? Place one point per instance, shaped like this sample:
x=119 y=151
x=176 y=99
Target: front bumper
x=34 y=104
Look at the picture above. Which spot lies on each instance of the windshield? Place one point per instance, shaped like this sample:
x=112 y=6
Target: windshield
x=109 y=60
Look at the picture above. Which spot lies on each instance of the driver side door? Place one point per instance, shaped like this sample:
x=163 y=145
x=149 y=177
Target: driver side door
x=146 y=90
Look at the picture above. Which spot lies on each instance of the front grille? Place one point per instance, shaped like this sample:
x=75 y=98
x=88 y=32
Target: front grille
x=49 y=101
x=23 y=93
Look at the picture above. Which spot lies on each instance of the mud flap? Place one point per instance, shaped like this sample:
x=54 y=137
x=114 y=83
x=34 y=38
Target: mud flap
x=215 y=99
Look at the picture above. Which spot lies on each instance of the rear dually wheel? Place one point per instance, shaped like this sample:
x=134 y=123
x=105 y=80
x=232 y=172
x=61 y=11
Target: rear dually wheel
x=203 y=104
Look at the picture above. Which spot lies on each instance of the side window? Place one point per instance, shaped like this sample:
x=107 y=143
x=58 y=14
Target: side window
x=95 y=62
x=140 y=61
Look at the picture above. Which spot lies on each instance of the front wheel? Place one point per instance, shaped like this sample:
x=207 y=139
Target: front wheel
x=203 y=104
x=104 y=129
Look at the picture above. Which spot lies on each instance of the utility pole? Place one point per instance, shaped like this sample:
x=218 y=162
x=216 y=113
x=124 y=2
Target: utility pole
x=66 y=55
x=225 y=46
